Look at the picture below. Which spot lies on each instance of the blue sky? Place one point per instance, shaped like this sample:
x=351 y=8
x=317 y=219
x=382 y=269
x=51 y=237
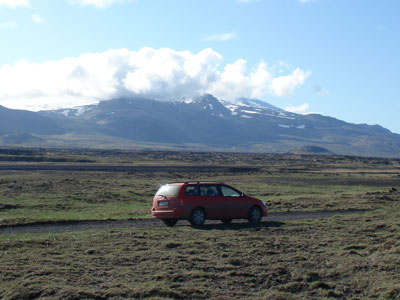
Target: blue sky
x=334 y=57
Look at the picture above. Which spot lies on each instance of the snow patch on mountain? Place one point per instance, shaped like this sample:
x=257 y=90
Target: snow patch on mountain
x=65 y=112
x=256 y=107
x=250 y=112
x=80 y=110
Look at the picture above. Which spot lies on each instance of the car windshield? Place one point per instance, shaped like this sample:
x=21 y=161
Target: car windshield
x=168 y=190
x=229 y=192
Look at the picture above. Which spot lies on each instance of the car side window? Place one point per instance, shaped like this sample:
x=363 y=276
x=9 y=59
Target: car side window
x=229 y=192
x=192 y=190
x=209 y=190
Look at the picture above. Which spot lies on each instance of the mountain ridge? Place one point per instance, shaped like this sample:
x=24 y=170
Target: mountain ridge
x=203 y=123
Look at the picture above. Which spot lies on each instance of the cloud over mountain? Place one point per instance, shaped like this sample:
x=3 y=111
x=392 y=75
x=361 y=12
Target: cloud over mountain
x=301 y=109
x=162 y=74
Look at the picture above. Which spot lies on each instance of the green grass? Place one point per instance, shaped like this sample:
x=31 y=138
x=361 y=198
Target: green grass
x=345 y=257
x=342 y=257
x=27 y=197
x=40 y=196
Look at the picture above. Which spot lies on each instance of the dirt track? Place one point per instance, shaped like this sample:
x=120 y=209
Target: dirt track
x=272 y=220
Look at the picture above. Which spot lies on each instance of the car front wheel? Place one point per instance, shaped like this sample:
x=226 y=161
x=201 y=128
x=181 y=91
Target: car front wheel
x=255 y=215
x=197 y=217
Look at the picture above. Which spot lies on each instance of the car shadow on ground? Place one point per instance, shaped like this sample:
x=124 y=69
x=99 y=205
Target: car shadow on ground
x=238 y=226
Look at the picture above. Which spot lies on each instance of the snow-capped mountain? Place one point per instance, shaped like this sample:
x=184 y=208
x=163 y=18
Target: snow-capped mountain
x=206 y=123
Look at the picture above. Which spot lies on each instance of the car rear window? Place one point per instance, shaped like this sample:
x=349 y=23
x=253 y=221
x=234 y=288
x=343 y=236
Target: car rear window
x=168 y=190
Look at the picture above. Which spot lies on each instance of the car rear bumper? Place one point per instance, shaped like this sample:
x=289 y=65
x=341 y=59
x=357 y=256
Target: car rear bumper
x=175 y=213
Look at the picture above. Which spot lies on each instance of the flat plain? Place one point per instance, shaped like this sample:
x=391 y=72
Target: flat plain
x=353 y=256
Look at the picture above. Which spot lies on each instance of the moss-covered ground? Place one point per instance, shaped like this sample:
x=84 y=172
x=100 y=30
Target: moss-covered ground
x=355 y=256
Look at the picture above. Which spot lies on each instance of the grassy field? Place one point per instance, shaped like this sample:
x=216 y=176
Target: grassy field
x=344 y=257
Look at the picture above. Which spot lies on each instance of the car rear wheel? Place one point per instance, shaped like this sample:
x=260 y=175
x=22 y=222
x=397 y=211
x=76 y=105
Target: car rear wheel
x=226 y=221
x=255 y=215
x=170 y=222
x=197 y=217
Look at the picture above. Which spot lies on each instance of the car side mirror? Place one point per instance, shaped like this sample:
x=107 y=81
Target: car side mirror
x=241 y=194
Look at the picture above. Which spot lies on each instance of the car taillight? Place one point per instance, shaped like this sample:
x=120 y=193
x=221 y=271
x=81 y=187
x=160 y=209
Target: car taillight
x=180 y=201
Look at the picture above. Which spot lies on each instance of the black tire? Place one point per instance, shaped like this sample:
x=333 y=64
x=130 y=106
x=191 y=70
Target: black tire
x=255 y=215
x=197 y=217
x=170 y=222
x=226 y=221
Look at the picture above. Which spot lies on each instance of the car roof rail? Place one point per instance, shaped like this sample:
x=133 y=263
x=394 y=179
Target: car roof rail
x=198 y=182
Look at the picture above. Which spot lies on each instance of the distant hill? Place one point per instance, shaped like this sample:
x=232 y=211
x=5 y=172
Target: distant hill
x=203 y=123
x=20 y=138
x=311 y=150
x=12 y=120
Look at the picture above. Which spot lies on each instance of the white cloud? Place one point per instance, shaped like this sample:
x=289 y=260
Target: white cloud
x=15 y=3
x=8 y=25
x=167 y=73
x=37 y=19
x=234 y=81
x=285 y=85
x=161 y=74
x=98 y=3
x=301 y=109
x=220 y=37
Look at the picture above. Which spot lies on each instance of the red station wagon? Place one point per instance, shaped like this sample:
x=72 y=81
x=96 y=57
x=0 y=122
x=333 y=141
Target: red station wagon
x=198 y=201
